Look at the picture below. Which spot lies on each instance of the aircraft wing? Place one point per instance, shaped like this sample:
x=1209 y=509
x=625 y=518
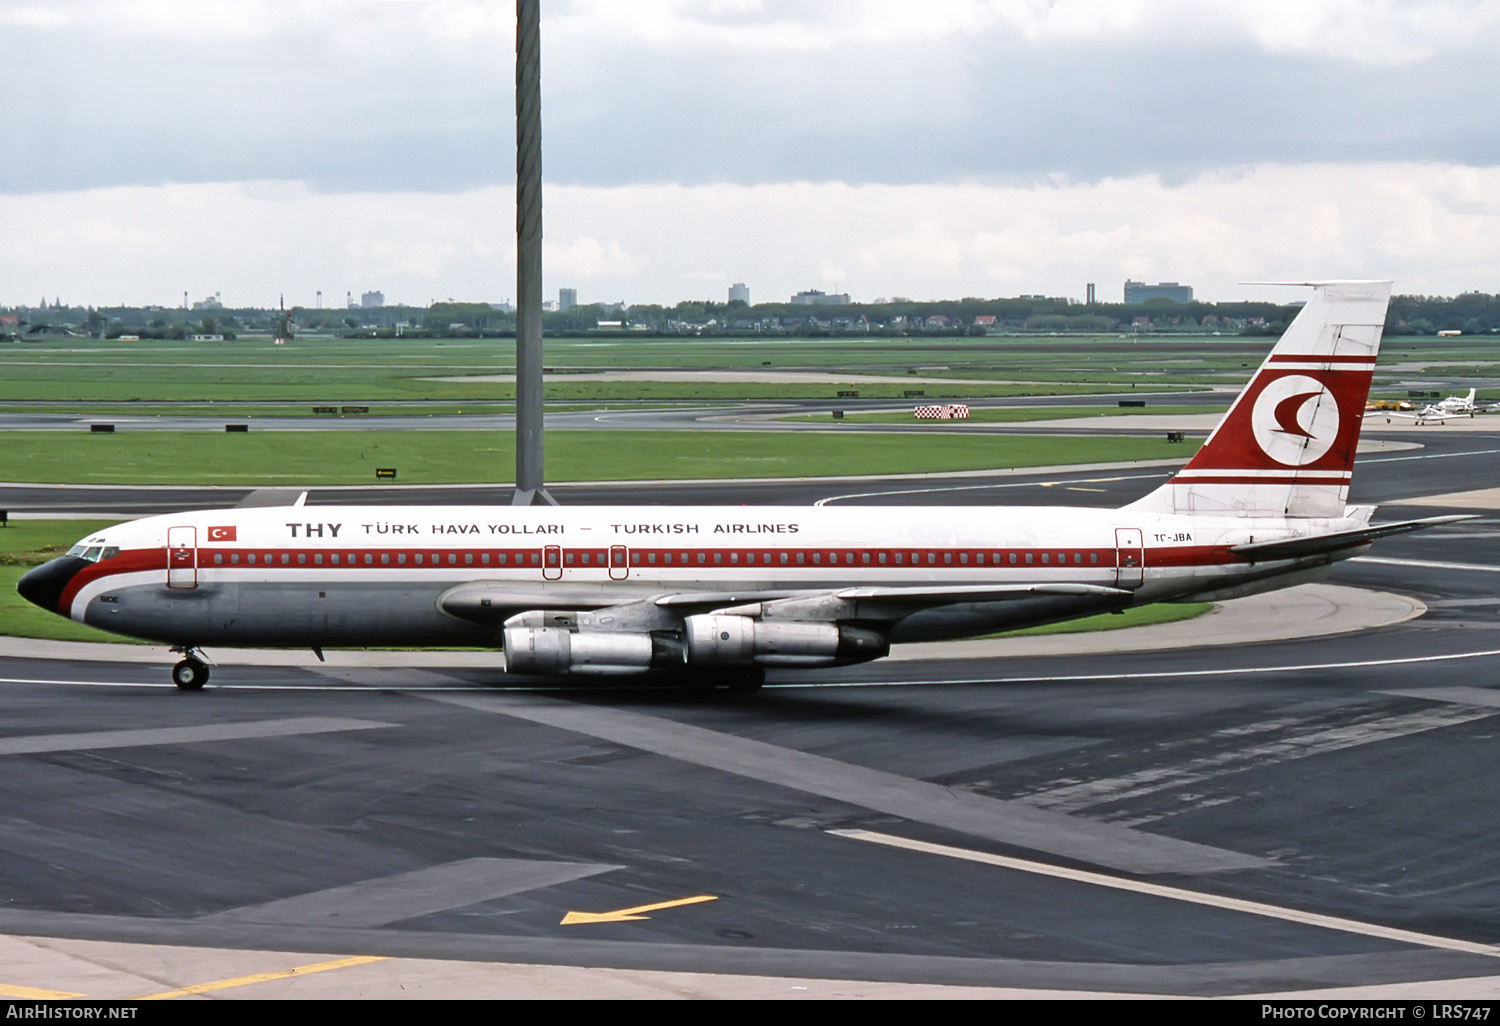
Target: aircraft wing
x=493 y=602
x=1297 y=548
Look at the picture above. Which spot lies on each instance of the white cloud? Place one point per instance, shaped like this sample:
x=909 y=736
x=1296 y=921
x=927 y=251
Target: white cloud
x=1431 y=227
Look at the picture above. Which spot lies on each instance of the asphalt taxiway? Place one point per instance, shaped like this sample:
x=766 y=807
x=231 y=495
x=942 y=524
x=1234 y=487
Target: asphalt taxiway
x=1239 y=819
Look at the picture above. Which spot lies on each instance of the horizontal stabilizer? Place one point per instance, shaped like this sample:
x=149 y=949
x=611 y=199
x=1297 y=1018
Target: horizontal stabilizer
x=1297 y=548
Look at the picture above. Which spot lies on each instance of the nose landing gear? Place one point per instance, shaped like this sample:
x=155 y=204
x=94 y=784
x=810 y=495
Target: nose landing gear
x=191 y=673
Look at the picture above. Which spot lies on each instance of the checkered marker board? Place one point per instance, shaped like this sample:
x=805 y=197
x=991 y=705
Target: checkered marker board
x=945 y=411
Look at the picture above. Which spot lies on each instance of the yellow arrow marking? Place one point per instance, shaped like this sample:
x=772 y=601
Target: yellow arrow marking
x=32 y=994
x=242 y=981
x=626 y=914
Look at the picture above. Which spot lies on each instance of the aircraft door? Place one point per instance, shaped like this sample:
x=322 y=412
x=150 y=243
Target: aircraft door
x=182 y=557
x=619 y=567
x=1130 y=557
x=552 y=562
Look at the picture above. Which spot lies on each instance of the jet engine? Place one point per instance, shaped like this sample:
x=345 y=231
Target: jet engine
x=557 y=650
x=726 y=639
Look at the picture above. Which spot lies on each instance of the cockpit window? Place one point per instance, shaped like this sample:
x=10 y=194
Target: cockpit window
x=94 y=553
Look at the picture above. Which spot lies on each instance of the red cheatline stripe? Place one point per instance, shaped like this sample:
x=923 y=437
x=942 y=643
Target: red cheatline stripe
x=1059 y=557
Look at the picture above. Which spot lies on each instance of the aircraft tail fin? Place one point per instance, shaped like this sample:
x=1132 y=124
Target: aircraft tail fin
x=1286 y=446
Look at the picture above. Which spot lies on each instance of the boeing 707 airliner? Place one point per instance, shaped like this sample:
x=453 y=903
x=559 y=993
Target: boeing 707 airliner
x=717 y=594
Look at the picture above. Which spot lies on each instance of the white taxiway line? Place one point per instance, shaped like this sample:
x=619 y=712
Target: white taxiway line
x=1426 y=564
x=1165 y=674
x=1255 y=908
x=986 y=485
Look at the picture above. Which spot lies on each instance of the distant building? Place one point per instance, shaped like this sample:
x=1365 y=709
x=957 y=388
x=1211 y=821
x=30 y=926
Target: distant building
x=1090 y=290
x=740 y=291
x=1140 y=292
x=372 y=300
x=985 y=321
x=567 y=299
x=211 y=303
x=812 y=297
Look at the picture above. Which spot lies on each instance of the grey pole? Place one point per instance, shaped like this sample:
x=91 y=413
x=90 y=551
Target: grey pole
x=530 y=491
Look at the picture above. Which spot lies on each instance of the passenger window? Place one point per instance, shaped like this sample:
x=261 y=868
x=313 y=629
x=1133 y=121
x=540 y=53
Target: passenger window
x=250 y=558
x=468 y=559
x=963 y=557
x=817 y=557
x=1028 y=557
x=1078 y=557
x=734 y=557
x=385 y=559
x=801 y=557
x=218 y=558
x=947 y=557
x=484 y=557
x=452 y=559
x=650 y=557
x=234 y=558
x=418 y=559
x=318 y=558
x=1012 y=558
x=401 y=558
x=369 y=559
x=1093 y=557
x=635 y=559
x=301 y=559
x=1046 y=556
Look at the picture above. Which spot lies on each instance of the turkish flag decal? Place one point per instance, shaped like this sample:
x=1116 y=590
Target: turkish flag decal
x=216 y=534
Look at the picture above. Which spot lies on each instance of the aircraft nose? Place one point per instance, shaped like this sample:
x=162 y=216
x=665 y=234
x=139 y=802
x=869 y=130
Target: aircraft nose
x=43 y=585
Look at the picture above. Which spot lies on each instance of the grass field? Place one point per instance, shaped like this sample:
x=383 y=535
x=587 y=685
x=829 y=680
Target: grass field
x=471 y=457
x=323 y=370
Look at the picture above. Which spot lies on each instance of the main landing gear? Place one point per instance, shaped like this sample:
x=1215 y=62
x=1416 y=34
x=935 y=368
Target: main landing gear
x=191 y=673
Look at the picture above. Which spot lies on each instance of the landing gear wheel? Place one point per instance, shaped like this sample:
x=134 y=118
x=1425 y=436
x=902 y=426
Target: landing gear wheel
x=190 y=675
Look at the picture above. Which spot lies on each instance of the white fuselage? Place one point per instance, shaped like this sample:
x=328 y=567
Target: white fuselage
x=329 y=575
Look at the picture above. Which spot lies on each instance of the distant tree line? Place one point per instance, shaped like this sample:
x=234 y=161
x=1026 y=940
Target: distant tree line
x=1470 y=313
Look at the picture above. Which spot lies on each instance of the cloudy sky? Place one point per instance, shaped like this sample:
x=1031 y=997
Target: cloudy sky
x=880 y=147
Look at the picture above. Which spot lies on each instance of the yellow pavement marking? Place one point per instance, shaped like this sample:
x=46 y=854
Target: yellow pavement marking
x=624 y=914
x=1179 y=894
x=33 y=994
x=244 y=981
x=1075 y=488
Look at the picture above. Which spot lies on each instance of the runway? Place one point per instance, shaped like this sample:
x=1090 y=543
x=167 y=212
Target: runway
x=1242 y=819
